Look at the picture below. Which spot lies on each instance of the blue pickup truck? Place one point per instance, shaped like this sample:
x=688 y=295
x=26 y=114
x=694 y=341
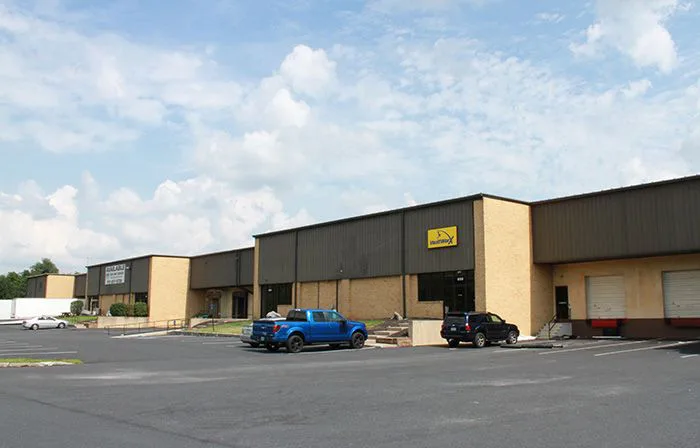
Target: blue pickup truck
x=309 y=326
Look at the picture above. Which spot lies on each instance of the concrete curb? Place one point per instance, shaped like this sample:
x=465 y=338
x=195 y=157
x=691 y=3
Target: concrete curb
x=533 y=345
x=9 y=365
x=206 y=335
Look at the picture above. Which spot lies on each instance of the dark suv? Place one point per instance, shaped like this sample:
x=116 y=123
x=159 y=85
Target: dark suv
x=477 y=328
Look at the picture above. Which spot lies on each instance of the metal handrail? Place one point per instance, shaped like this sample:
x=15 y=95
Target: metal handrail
x=137 y=327
x=550 y=324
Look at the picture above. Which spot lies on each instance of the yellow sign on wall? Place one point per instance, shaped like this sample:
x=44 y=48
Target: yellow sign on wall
x=444 y=237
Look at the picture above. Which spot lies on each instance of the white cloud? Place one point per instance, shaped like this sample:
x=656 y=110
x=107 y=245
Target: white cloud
x=549 y=17
x=309 y=71
x=323 y=134
x=635 y=28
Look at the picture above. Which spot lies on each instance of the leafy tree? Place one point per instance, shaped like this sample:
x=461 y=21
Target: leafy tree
x=45 y=266
x=14 y=284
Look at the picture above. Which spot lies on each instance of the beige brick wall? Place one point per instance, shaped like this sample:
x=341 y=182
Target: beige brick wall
x=257 y=296
x=168 y=290
x=416 y=309
x=375 y=298
x=643 y=282
x=59 y=286
x=479 y=257
x=507 y=281
x=196 y=302
x=308 y=295
x=106 y=301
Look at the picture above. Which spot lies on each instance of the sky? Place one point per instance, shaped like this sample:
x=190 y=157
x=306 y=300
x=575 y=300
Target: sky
x=185 y=127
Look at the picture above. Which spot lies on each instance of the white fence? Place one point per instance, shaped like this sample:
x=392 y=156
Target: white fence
x=31 y=307
x=6 y=309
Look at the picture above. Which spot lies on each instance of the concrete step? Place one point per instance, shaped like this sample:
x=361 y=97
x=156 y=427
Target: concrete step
x=401 y=342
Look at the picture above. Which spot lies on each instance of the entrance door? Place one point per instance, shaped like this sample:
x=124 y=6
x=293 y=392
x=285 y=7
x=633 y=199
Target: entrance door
x=240 y=307
x=561 y=296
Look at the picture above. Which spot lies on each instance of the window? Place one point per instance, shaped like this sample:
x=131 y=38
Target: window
x=454 y=288
x=296 y=316
x=280 y=294
x=319 y=316
x=495 y=319
x=332 y=316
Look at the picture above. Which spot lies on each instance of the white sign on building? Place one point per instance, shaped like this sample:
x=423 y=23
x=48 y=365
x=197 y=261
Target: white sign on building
x=115 y=275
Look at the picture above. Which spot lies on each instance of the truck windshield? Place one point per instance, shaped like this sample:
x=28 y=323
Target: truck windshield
x=296 y=316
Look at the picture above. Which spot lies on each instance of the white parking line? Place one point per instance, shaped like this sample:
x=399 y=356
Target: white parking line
x=688 y=356
x=591 y=347
x=35 y=353
x=29 y=347
x=675 y=344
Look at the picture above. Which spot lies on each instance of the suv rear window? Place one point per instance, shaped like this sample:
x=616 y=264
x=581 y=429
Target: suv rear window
x=454 y=318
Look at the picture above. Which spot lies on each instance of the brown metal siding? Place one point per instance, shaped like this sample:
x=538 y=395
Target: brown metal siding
x=420 y=259
x=94 y=280
x=227 y=269
x=213 y=271
x=141 y=272
x=79 y=286
x=135 y=278
x=277 y=258
x=36 y=287
x=246 y=267
x=356 y=249
x=659 y=220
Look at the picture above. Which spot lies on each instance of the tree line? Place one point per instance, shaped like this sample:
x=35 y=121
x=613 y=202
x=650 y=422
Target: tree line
x=14 y=284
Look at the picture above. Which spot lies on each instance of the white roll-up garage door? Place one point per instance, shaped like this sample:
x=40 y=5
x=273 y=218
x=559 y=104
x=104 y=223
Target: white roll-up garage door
x=682 y=294
x=605 y=297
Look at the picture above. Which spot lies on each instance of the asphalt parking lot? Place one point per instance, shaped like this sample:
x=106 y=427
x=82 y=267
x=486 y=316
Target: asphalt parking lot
x=185 y=391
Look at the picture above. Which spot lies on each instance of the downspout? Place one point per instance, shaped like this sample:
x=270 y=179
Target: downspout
x=403 y=264
x=296 y=267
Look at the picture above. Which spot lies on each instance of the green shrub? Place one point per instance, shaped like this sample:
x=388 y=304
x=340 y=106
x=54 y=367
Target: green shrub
x=118 y=309
x=140 y=310
x=76 y=307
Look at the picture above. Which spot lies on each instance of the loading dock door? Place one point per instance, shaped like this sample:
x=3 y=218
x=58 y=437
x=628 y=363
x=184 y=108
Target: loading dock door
x=682 y=294
x=605 y=297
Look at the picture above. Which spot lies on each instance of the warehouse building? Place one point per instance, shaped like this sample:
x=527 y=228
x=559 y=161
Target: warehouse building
x=221 y=284
x=463 y=254
x=160 y=281
x=51 y=286
x=624 y=262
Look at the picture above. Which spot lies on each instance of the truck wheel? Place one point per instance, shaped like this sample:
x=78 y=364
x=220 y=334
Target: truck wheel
x=272 y=347
x=295 y=343
x=479 y=340
x=452 y=343
x=357 y=341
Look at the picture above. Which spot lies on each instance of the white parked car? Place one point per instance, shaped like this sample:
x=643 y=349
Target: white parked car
x=247 y=331
x=44 y=322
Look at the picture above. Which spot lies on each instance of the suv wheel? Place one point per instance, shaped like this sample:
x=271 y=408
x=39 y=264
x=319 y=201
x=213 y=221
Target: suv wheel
x=479 y=340
x=512 y=338
x=452 y=343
